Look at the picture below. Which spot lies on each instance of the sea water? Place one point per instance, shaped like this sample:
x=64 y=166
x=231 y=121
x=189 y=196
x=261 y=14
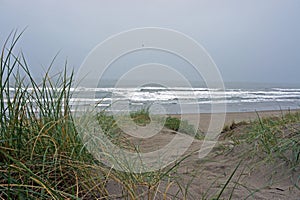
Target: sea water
x=183 y=100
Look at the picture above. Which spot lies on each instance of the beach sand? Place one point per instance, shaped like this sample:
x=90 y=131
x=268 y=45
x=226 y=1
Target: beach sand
x=205 y=118
x=254 y=179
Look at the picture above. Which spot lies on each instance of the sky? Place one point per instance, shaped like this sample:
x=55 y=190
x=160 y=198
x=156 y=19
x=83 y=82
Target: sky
x=249 y=40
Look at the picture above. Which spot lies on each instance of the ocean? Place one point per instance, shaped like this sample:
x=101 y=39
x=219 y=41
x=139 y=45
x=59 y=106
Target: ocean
x=182 y=100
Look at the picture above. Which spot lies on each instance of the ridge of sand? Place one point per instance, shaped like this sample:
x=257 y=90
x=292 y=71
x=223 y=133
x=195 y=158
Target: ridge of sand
x=254 y=179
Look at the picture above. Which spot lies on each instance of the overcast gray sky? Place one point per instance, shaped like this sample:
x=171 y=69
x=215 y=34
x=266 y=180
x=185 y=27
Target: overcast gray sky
x=250 y=40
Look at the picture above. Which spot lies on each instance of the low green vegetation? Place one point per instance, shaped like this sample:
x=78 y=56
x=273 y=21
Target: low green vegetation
x=141 y=117
x=182 y=126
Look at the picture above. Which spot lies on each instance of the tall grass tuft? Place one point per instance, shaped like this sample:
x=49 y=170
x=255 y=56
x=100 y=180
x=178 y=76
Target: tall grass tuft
x=41 y=154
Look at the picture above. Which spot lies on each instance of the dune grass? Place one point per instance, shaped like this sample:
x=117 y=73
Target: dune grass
x=277 y=138
x=271 y=138
x=41 y=154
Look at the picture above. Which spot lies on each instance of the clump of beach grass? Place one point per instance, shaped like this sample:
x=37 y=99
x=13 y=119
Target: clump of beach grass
x=183 y=126
x=141 y=117
x=277 y=138
x=41 y=153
